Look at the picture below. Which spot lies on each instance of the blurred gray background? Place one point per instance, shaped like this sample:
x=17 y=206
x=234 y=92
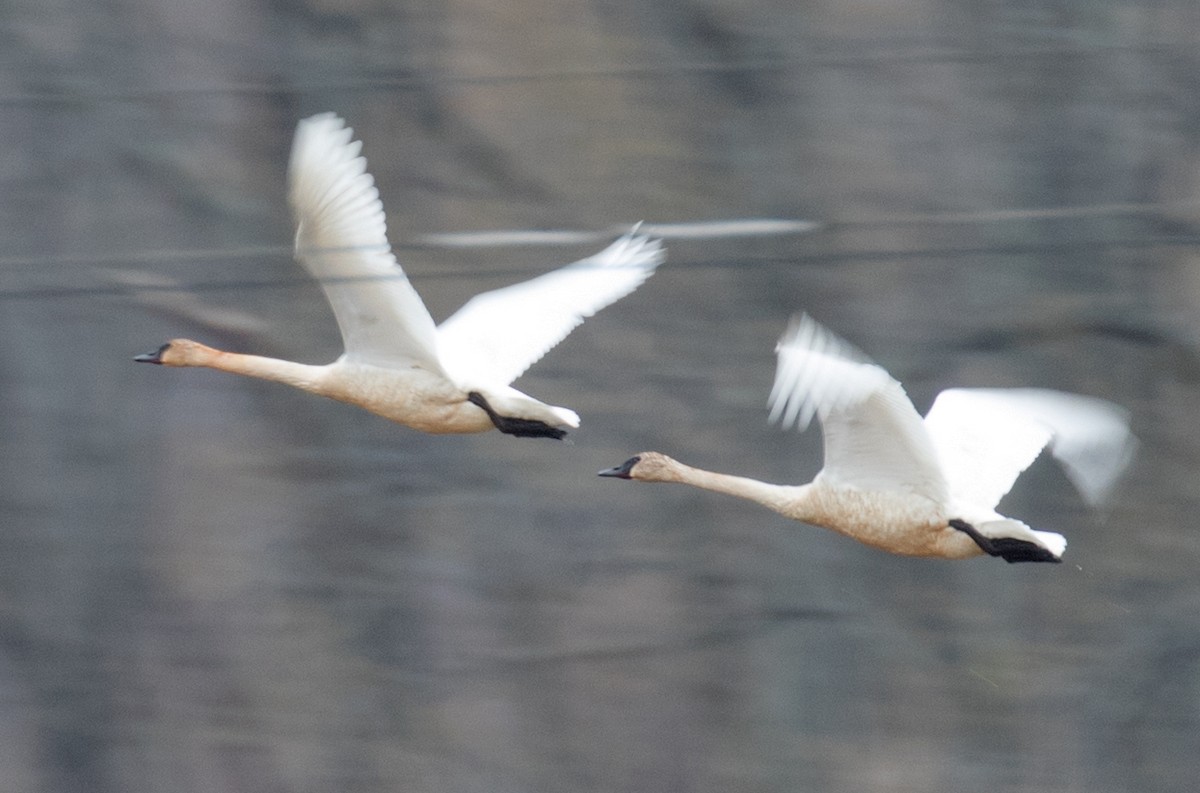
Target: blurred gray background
x=214 y=584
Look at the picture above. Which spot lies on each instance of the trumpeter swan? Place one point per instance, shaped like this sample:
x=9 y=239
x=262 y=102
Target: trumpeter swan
x=913 y=486
x=452 y=378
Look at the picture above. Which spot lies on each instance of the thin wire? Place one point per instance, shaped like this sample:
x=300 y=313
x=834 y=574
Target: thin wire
x=1004 y=215
x=617 y=71
x=797 y=260
x=668 y=231
x=730 y=228
x=162 y=255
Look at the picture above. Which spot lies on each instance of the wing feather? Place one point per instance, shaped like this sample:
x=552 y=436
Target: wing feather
x=985 y=438
x=341 y=239
x=874 y=437
x=497 y=335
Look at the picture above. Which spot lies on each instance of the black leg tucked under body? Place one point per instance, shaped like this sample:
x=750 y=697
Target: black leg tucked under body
x=1007 y=548
x=521 y=428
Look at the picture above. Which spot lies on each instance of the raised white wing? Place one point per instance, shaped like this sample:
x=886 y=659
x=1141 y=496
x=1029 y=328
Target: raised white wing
x=874 y=437
x=985 y=438
x=497 y=335
x=341 y=239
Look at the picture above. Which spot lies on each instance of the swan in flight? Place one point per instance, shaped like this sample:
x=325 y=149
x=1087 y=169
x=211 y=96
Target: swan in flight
x=913 y=486
x=449 y=378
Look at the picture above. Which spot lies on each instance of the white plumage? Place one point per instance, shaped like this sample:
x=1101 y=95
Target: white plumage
x=341 y=239
x=498 y=335
x=450 y=378
x=923 y=487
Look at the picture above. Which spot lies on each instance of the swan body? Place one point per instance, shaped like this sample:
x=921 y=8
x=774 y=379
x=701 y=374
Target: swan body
x=912 y=486
x=450 y=378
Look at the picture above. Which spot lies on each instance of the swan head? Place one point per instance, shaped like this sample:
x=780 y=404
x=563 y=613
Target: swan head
x=645 y=467
x=177 y=352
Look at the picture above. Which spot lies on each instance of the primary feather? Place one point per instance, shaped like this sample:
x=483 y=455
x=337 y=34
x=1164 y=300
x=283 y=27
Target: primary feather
x=497 y=335
x=341 y=239
x=874 y=437
x=986 y=437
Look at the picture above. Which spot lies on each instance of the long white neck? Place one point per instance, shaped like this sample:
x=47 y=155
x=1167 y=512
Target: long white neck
x=303 y=376
x=300 y=375
x=785 y=499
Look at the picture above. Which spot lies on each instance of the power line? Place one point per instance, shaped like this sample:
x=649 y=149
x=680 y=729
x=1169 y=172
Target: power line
x=821 y=259
x=500 y=238
x=701 y=230
x=409 y=80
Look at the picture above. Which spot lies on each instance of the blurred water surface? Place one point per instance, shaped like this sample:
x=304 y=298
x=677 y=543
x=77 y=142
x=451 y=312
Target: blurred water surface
x=213 y=584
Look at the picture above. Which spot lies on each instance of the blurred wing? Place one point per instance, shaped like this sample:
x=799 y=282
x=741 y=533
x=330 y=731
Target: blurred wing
x=497 y=335
x=874 y=438
x=986 y=437
x=341 y=240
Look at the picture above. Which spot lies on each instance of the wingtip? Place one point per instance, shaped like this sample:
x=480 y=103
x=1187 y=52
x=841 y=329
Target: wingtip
x=634 y=234
x=321 y=136
x=634 y=249
x=1090 y=436
x=818 y=372
x=322 y=124
x=324 y=118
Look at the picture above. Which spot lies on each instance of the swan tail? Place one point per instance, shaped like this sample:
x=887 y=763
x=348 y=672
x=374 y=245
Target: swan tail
x=1013 y=541
x=522 y=427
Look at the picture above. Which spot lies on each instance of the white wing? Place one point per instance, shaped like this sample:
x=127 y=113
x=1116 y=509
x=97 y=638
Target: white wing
x=874 y=437
x=986 y=437
x=497 y=335
x=341 y=240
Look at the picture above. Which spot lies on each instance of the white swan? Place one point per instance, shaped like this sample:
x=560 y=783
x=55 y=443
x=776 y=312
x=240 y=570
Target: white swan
x=452 y=378
x=910 y=486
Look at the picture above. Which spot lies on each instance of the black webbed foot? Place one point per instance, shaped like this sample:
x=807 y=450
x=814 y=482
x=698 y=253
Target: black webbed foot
x=521 y=428
x=1007 y=548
